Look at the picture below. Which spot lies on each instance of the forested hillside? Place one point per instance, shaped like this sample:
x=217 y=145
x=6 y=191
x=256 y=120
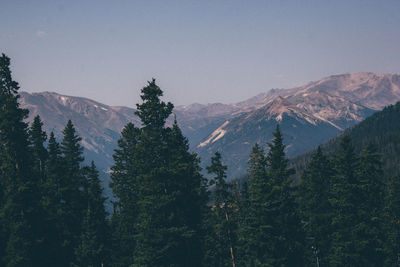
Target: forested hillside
x=382 y=129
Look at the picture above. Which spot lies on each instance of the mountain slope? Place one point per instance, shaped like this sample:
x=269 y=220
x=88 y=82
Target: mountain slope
x=381 y=129
x=309 y=115
x=235 y=137
x=339 y=101
x=99 y=125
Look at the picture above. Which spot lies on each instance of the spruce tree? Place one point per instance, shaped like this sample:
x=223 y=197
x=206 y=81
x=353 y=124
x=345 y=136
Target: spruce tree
x=124 y=186
x=371 y=229
x=53 y=204
x=254 y=232
x=92 y=249
x=316 y=209
x=224 y=210
x=37 y=139
x=345 y=200
x=72 y=182
x=392 y=247
x=286 y=237
x=20 y=210
x=167 y=199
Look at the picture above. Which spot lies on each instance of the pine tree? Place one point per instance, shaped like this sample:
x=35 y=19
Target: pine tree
x=314 y=191
x=72 y=182
x=165 y=179
x=37 y=138
x=152 y=239
x=254 y=232
x=345 y=199
x=92 y=248
x=242 y=200
x=223 y=212
x=53 y=204
x=371 y=234
x=393 y=224
x=124 y=187
x=20 y=210
x=286 y=239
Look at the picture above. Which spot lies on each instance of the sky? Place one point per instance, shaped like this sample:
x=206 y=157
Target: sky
x=200 y=51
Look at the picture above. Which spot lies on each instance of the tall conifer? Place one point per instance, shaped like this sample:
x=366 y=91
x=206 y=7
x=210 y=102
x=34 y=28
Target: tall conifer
x=37 y=139
x=53 y=204
x=20 y=210
x=371 y=229
x=124 y=186
x=224 y=210
x=314 y=191
x=254 y=233
x=393 y=224
x=166 y=184
x=286 y=237
x=345 y=199
x=72 y=182
x=92 y=249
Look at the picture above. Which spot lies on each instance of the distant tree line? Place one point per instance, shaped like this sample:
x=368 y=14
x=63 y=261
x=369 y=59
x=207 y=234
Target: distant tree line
x=166 y=213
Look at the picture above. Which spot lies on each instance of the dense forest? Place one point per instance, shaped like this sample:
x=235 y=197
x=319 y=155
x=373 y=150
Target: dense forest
x=166 y=213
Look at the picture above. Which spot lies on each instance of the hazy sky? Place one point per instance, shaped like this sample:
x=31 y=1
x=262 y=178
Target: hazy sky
x=199 y=51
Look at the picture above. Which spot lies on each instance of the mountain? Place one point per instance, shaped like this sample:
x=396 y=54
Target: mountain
x=308 y=115
x=382 y=129
x=98 y=124
x=235 y=137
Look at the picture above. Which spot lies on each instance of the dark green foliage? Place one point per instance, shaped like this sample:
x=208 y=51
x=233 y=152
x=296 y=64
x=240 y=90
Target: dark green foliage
x=20 y=210
x=253 y=235
x=71 y=184
x=371 y=233
x=286 y=243
x=346 y=196
x=358 y=194
x=124 y=187
x=273 y=232
x=393 y=223
x=92 y=249
x=52 y=204
x=37 y=138
x=316 y=209
x=153 y=163
x=223 y=219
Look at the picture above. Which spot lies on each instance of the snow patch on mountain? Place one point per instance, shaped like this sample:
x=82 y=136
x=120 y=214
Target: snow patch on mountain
x=215 y=136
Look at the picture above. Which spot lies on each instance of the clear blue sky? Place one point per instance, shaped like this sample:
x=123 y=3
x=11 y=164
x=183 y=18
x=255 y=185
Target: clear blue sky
x=199 y=51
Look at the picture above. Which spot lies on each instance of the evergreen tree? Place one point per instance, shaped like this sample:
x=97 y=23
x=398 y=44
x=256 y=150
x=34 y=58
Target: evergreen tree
x=393 y=224
x=72 y=182
x=371 y=232
x=346 y=197
x=53 y=204
x=242 y=199
x=314 y=191
x=286 y=237
x=92 y=250
x=254 y=232
x=224 y=209
x=167 y=189
x=37 y=138
x=124 y=187
x=20 y=210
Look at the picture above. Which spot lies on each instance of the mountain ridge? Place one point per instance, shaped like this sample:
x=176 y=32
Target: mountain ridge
x=320 y=109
